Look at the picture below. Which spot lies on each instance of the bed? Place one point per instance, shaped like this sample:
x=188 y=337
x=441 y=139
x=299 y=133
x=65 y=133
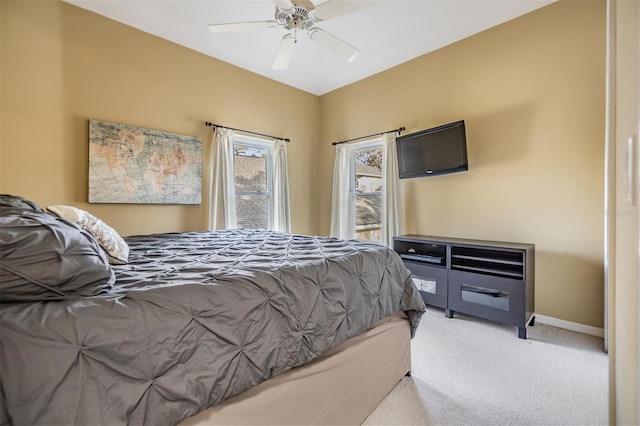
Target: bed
x=220 y=327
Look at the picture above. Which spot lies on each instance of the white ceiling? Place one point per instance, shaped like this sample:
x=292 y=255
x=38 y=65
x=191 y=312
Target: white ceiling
x=393 y=32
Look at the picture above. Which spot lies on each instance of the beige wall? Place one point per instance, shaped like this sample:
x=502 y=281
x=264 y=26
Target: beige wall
x=531 y=92
x=62 y=65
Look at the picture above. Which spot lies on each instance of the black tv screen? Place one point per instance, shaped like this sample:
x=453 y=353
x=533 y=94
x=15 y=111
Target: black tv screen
x=434 y=151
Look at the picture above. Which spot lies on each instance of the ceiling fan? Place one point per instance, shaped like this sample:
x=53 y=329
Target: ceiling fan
x=302 y=16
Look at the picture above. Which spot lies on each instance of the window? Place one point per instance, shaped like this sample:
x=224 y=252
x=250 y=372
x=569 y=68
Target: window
x=252 y=160
x=365 y=193
x=248 y=175
x=366 y=200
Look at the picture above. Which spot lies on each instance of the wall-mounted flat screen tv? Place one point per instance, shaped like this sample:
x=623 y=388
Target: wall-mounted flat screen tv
x=434 y=151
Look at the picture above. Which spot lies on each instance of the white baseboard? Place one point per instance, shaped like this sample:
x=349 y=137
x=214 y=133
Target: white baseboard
x=572 y=326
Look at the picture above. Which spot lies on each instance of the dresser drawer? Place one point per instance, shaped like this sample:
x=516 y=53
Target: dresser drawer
x=431 y=281
x=495 y=298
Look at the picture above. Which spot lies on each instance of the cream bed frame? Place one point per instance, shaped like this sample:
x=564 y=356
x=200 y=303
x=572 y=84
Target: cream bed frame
x=341 y=387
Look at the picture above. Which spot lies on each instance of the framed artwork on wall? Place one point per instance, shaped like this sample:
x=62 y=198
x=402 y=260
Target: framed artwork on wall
x=136 y=165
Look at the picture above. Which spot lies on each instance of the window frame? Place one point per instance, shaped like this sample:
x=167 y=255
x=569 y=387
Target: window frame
x=268 y=146
x=353 y=149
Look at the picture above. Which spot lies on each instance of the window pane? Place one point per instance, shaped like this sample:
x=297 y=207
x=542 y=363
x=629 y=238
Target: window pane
x=368 y=170
x=368 y=216
x=251 y=211
x=250 y=165
x=367 y=192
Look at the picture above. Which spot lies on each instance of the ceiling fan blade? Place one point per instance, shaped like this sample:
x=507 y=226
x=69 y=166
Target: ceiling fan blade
x=285 y=52
x=241 y=26
x=334 y=44
x=334 y=8
x=283 y=4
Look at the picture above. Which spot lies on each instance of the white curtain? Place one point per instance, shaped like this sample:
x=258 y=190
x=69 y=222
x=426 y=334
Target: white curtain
x=392 y=196
x=392 y=221
x=281 y=209
x=340 y=195
x=222 y=180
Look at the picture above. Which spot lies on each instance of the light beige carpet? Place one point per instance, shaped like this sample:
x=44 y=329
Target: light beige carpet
x=468 y=371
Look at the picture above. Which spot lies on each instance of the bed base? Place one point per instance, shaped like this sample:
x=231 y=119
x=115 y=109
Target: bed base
x=342 y=387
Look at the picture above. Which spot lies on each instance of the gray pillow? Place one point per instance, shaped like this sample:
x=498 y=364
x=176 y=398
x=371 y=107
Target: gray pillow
x=44 y=257
x=14 y=202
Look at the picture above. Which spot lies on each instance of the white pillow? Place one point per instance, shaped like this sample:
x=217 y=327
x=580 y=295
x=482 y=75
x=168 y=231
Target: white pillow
x=109 y=239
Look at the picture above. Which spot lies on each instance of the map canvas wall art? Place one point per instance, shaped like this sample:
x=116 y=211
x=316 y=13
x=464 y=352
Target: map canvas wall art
x=136 y=165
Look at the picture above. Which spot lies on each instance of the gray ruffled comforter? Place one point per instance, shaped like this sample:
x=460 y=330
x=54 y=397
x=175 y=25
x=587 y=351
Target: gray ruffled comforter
x=193 y=319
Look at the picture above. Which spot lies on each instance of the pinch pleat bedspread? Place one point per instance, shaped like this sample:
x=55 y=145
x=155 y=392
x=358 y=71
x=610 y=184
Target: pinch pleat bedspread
x=193 y=319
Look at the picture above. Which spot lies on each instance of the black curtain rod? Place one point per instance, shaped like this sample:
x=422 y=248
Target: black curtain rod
x=401 y=129
x=209 y=124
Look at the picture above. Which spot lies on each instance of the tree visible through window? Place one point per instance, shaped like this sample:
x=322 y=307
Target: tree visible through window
x=366 y=193
x=252 y=185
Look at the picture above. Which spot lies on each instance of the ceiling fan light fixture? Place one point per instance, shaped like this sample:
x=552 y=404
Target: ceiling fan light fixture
x=303 y=15
x=296 y=17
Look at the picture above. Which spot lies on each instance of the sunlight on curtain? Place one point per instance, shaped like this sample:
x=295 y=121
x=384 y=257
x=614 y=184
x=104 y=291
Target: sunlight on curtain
x=392 y=195
x=281 y=209
x=340 y=195
x=222 y=181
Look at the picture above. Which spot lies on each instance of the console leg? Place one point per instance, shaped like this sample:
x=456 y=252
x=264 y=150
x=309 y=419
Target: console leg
x=448 y=313
x=522 y=332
